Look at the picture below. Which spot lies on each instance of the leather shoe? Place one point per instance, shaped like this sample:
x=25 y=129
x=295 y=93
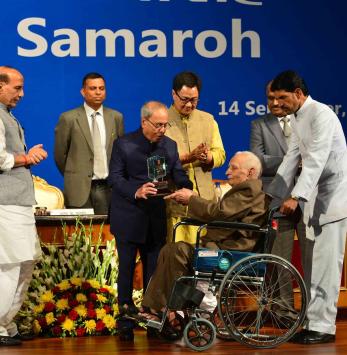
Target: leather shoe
x=23 y=337
x=312 y=337
x=126 y=334
x=9 y=341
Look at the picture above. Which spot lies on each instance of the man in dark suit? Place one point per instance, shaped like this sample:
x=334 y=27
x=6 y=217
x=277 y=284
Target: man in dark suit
x=270 y=136
x=83 y=145
x=138 y=216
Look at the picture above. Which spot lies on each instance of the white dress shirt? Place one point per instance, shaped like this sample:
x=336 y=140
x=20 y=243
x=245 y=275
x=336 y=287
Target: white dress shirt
x=101 y=124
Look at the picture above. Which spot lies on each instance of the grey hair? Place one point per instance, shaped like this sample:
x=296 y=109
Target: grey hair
x=251 y=161
x=150 y=107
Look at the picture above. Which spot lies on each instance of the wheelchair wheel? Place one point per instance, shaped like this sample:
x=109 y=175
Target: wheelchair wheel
x=199 y=334
x=173 y=329
x=255 y=304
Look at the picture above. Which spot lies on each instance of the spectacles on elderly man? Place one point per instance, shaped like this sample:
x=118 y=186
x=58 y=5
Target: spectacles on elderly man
x=158 y=125
x=185 y=100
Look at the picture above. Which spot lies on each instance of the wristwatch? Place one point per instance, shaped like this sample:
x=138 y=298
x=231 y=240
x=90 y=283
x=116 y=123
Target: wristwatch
x=296 y=198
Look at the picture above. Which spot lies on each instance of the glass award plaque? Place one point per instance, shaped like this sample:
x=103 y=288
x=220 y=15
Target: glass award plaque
x=157 y=173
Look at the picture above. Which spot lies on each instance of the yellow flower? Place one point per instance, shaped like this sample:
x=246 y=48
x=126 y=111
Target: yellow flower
x=90 y=325
x=68 y=324
x=110 y=289
x=115 y=309
x=39 y=308
x=109 y=321
x=100 y=313
x=80 y=297
x=76 y=281
x=64 y=285
x=101 y=298
x=36 y=327
x=94 y=283
x=50 y=318
x=62 y=304
x=47 y=297
x=81 y=310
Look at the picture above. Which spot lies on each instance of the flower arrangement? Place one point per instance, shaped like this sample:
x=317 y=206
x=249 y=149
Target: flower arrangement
x=76 y=307
x=73 y=291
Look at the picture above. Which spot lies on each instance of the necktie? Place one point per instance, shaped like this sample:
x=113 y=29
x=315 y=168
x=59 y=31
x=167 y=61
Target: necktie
x=287 y=130
x=99 y=163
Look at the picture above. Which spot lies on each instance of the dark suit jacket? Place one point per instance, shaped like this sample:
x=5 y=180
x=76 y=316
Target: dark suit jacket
x=135 y=219
x=269 y=144
x=73 y=150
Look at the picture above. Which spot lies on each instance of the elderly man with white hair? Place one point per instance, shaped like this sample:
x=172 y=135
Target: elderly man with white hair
x=245 y=202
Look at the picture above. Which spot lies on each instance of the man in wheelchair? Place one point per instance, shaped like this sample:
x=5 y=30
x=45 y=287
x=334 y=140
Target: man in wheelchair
x=245 y=202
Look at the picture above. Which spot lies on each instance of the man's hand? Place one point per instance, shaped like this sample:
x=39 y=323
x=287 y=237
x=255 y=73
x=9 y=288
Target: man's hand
x=181 y=196
x=289 y=206
x=146 y=189
x=36 y=154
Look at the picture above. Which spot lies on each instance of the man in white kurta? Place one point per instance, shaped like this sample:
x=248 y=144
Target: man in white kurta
x=321 y=190
x=19 y=244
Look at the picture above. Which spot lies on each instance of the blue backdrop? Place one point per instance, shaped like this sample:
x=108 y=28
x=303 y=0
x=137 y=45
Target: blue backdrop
x=236 y=46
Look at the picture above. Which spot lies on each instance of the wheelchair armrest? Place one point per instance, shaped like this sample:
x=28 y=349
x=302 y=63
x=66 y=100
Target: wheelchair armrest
x=222 y=224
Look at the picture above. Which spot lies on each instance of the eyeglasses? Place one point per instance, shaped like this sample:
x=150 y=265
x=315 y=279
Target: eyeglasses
x=185 y=100
x=158 y=125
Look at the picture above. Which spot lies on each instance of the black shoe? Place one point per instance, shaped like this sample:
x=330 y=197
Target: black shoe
x=126 y=334
x=23 y=337
x=312 y=337
x=128 y=311
x=9 y=341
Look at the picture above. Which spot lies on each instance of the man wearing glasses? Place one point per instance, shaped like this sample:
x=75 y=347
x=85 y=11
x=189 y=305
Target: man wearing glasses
x=199 y=143
x=138 y=216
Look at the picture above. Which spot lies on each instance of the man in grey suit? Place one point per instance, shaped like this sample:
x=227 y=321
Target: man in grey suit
x=319 y=143
x=270 y=137
x=83 y=144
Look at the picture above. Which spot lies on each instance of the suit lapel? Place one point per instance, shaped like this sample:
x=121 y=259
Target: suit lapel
x=276 y=130
x=83 y=123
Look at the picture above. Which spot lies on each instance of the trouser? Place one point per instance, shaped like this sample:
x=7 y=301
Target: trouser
x=14 y=283
x=283 y=247
x=174 y=261
x=127 y=252
x=323 y=274
x=99 y=197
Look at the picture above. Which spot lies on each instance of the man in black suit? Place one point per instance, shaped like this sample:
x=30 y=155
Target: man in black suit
x=138 y=216
x=270 y=137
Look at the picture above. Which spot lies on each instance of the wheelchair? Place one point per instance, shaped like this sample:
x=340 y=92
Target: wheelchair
x=249 y=291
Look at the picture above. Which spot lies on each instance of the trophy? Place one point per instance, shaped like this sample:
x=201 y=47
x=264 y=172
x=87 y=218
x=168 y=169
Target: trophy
x=157 y=172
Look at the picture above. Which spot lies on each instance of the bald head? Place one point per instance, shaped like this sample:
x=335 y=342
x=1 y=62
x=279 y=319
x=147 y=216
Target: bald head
x=11 y=86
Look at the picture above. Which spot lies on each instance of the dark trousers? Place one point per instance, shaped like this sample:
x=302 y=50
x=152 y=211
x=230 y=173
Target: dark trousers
x=99 y=197
x=127 y=252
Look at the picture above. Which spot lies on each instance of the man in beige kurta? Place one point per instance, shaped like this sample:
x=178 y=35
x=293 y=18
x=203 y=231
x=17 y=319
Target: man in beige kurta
x=245 y=202
x=199 y=143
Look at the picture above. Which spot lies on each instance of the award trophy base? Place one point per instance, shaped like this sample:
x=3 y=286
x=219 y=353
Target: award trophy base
x=162 y=187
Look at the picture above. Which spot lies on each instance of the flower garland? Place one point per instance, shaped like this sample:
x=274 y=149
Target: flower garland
x=73 y=291
x=76 y=307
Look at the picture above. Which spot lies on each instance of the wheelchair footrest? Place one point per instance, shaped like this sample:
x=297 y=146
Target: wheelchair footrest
x=154 y=324
x=185 y=296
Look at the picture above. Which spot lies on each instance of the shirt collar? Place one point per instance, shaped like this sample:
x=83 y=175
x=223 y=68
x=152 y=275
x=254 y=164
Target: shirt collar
x=304 y=107
x=90 y=110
